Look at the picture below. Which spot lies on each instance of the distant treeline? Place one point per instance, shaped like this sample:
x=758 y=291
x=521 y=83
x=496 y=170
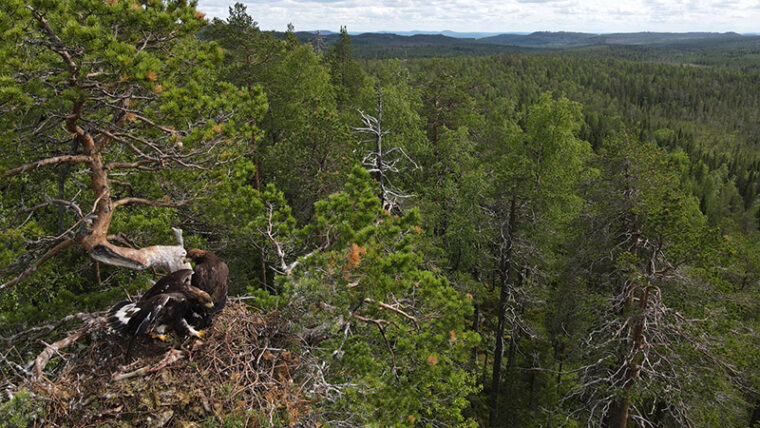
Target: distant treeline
x=724 y=49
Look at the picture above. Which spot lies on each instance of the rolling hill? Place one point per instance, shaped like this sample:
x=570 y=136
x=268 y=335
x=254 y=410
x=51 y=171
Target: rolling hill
x=694 y=47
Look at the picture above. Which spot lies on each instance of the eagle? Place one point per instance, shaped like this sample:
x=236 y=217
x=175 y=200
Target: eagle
x=172 y=282
x=210 y=275
x=166 y=305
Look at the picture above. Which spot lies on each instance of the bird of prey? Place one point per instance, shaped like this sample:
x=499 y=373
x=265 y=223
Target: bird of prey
x=210 y=275
x=163 y=307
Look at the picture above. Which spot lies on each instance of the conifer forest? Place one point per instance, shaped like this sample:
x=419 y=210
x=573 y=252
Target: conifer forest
x=416 y=235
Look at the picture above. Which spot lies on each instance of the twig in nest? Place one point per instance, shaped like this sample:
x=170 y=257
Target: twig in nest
x=19 y=371
x=170 y=358
x=42 y=330
x=42 y=359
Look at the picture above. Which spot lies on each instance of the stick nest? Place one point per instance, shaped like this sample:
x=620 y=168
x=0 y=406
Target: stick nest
x=241 y=374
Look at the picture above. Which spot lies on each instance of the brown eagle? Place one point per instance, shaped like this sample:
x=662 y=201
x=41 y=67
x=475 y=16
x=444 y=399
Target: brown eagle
x=166 y=305
x=210 y=275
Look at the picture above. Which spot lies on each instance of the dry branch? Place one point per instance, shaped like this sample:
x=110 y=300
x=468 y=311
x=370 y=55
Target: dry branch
x=379 y=161
x=170 y=358
x=380 y=323
x=41 y=361
x=50 y=202
x=141 y=201
x=139 y=165
x=33 y=268
x=43 y=163
x=91 y=324
x=56 y=45
x=394 y=309
x=35 y=333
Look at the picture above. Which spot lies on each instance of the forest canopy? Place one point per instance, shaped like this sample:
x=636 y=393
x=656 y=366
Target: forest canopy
x=555 y=239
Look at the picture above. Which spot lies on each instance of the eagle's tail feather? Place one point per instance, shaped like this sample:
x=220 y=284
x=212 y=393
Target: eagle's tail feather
x=129 y=320
x=120 y=315
x=145 y=317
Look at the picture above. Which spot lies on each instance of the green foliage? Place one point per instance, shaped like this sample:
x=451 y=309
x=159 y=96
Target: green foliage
x=644 y=240
x=399 y=338
x=395 y=303
x=345 y=74
x=22 y=411
x=120 y=69
x=306 y=146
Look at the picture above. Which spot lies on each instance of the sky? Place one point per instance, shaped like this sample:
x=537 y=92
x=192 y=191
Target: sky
x=500 y=16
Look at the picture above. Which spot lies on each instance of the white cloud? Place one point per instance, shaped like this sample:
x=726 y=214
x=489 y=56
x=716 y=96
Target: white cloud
x=500 y=15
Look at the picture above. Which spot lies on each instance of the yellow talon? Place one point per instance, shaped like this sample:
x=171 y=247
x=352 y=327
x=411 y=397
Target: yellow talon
x=200 y=334
x=161 y=337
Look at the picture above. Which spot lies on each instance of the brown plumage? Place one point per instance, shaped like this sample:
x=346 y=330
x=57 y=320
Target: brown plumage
x=170 y=283
x=210 y=275
x=166 y=305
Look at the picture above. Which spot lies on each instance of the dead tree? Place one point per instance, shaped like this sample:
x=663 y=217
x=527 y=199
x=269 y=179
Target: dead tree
x=318 y=42
x=504 y=249
x=640 y=346
x=508 y=256
x=380 y=162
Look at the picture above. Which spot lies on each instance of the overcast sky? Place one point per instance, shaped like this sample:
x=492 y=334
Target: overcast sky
x=595 y=16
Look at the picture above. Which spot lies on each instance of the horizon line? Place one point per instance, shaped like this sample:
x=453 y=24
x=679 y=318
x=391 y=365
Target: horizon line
x=432 y=32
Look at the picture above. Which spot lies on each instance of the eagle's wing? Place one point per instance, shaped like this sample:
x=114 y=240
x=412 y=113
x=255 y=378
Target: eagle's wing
x=135 y=319
x=203 y=277
x=120 y=315
x=211 y=277
x=166 y=284
x=160 y=287
x=150 y=311
x=219 y=294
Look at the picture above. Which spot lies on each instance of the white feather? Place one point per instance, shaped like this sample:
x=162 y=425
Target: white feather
x=125 y=313
x=192 y=331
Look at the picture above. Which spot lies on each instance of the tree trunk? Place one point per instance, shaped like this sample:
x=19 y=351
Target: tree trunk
x=512 y=352
x=755 y=417
x=96 y=273
x=380 y=174
x=498 y=354
x=618 y=417
x=263 y=274
x=256 y=163
x=485 y=368
x=515 y=336
x=96 y=241
x=476 y=329
x=559 y=356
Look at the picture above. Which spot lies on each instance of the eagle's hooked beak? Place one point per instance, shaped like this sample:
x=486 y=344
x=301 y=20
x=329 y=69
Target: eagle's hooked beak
x=201 y=296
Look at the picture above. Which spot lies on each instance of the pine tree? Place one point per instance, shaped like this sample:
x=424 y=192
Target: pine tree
x=345 y=74
x=392 y=334
x=642 y=251
x=107 y=87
